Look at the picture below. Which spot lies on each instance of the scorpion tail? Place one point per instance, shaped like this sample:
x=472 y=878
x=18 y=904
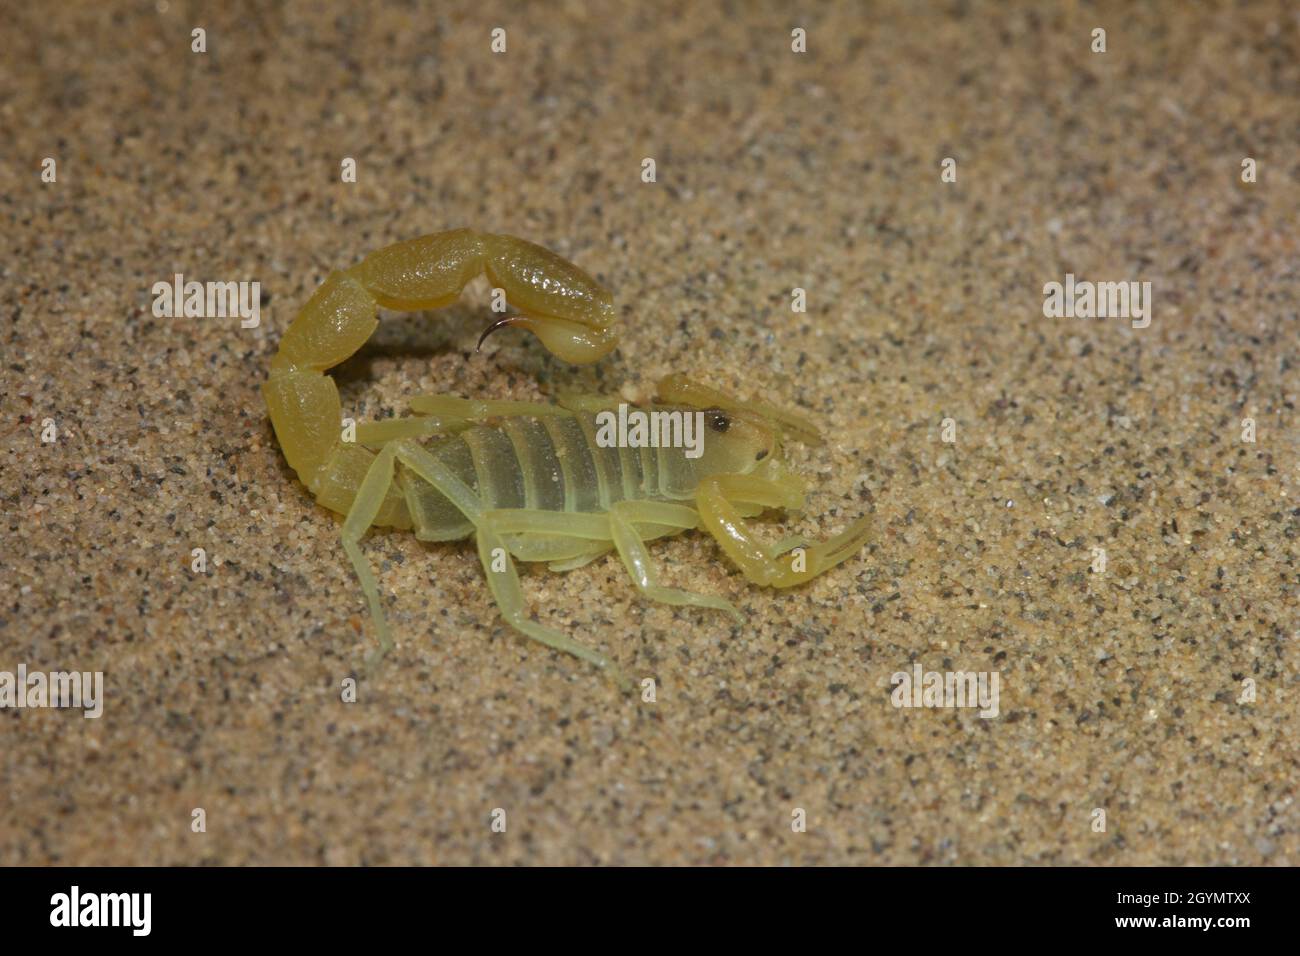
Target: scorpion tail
x=566 y=308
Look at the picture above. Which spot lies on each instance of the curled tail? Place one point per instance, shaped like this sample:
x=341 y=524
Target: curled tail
x=563 y=306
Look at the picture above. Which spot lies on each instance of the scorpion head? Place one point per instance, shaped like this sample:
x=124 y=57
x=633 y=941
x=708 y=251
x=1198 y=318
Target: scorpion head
x=736 y=442
x=744 y=432
x=746 y=440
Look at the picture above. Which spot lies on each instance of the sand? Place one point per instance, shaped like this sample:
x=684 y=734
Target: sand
x=1160 y=690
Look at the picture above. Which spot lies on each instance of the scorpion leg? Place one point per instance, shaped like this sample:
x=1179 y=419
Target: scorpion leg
x=758 y=562
x=376 y=434
x=445 y=415
x=789 y=543
x=370 y=496
x=477 y=410
x=510 y=599
x=592 y=527
x=579 y=560
x=636 y=558
x=582 y=402
x=528 y=525
x=504 y=585
x=554 y=537
x=365 y=508
x=621 y=527
x=530 y=536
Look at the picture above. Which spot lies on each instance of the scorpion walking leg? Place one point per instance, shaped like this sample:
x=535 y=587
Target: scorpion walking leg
x=582 y=402
x=444 y=414
x=503 y=584
x=477 y=410
x=510 y=599
x=537 y=535
x=378 y=434
x=370 y=495
x=636 y=558
x=620 y=526
x=365 y=507
x=557 y=538
x=565 y=541
x=591 y=527
x=579 y=560
x=757 y=561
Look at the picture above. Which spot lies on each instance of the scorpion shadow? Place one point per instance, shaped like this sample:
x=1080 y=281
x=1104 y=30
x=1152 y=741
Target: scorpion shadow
x=404 y=336
x=411 y=335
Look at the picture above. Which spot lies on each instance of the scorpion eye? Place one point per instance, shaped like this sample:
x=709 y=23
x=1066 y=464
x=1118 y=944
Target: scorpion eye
x=718 y=420
x=762 y=453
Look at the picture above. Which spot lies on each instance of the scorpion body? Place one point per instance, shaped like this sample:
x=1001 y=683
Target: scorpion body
x=551 y=463
x=530 y=481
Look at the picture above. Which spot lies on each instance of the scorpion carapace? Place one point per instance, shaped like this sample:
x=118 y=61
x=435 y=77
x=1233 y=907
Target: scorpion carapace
x=532 y=481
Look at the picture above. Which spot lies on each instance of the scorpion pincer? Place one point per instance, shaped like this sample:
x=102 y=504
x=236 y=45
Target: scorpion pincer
x=531 y=481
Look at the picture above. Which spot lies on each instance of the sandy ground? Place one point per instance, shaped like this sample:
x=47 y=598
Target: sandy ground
x=1127 y=690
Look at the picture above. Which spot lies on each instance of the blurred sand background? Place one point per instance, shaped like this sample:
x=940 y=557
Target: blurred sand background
x=775 y=170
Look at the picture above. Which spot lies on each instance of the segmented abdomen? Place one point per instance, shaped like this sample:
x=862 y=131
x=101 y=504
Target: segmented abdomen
x=550 y=463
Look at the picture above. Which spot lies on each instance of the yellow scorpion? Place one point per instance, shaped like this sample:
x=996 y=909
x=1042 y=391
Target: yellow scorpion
x=531 y=481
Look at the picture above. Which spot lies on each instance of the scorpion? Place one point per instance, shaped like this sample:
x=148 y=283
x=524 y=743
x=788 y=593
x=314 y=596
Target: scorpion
x=528 y=480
